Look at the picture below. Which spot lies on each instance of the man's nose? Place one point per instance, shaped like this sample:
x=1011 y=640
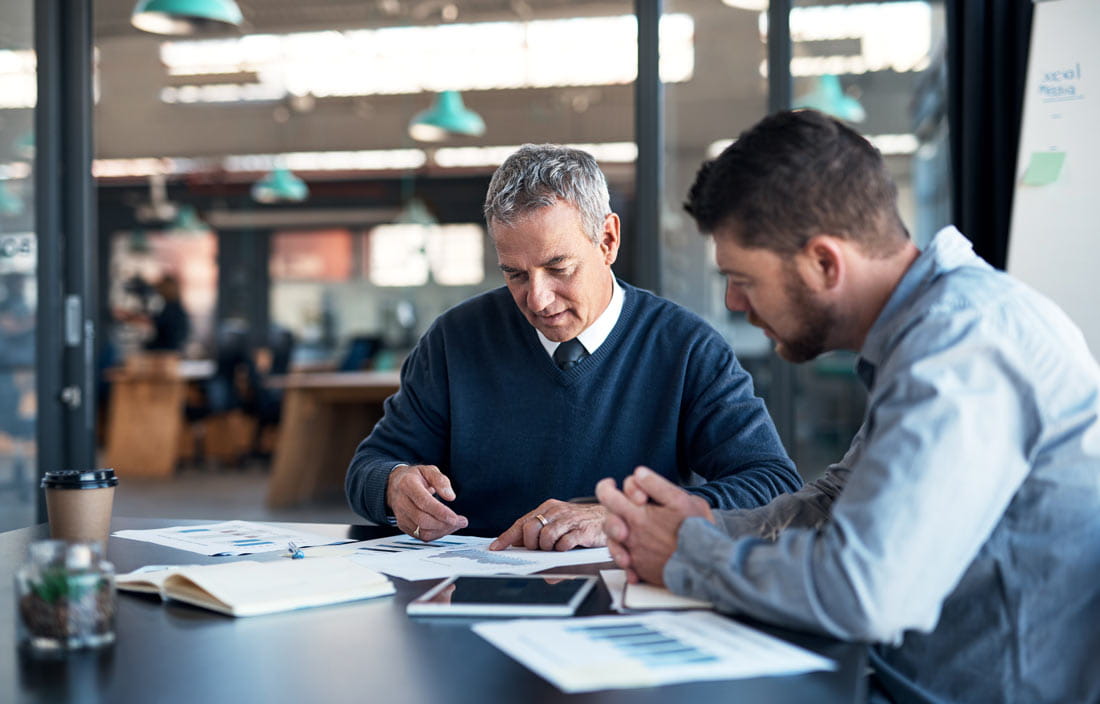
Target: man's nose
x=735 y=299
x=539 y=293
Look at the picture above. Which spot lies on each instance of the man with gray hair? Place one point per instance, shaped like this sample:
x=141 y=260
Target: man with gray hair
x=519 y=399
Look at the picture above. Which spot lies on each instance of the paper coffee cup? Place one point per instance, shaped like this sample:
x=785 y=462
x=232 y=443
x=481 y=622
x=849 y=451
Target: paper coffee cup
x=78 y=503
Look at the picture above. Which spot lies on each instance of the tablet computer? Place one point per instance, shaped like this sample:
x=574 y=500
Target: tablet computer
x=504 y=595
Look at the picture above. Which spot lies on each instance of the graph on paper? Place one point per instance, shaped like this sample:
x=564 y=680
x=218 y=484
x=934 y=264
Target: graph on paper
x=412 y=559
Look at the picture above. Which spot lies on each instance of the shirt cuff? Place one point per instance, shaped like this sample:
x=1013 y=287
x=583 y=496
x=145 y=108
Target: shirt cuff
x=691 y=567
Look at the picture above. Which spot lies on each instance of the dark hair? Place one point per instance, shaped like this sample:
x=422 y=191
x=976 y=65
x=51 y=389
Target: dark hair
x=794 y=175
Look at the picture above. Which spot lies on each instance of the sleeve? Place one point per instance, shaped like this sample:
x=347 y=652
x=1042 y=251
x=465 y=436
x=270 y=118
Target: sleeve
x=947 y=447
x=809 y=507
x=414 y=429
x=727 y=436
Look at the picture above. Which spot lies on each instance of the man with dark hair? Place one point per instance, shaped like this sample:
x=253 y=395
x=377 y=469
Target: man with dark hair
x=960 y=534
x=519 y=399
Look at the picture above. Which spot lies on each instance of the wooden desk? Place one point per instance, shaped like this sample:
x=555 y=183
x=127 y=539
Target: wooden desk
x=358 y=652
x=325 y=416
x=145 y=413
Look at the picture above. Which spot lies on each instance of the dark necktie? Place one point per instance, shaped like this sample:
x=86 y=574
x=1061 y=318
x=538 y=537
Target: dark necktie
x=569 y=354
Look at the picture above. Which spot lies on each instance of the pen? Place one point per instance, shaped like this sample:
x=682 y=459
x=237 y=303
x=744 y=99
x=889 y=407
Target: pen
x=584 y=500
x=295 y=551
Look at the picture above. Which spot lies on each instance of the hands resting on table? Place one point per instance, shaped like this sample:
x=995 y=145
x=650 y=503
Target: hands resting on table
x=414 y=493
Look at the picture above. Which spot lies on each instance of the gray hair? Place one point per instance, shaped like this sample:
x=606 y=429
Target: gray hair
x=538 y=176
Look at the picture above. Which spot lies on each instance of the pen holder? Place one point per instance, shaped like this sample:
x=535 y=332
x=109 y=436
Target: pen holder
x=65 y=597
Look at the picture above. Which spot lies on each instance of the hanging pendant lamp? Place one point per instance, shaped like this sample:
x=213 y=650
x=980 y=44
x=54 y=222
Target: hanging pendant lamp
x=10 y=203
x=185 y=17
x=280 y=185
x=829 y=98
x=447 y=116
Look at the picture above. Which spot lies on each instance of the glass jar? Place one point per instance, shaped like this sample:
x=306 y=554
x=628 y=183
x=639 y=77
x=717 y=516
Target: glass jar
x=65 y=597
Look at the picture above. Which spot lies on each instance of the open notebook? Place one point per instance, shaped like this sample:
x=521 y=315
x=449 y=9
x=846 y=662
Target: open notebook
x=249 y=588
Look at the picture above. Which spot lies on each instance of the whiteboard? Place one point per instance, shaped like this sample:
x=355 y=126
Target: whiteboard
x=1054 y=245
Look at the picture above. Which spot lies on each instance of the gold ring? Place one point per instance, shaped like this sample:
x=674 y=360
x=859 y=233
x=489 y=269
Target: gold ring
x=542 y=519
x=416 y=533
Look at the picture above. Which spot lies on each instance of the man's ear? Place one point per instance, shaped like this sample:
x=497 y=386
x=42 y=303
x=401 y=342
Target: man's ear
x=822 y=262
x=610 y=238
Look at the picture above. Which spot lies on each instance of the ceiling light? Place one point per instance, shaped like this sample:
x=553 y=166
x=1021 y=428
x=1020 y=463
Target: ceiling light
x=10 y=203
x=280 y=185
x=415 y=212
x=187 y=221
x=447 y=116
x=829 y=98
x=185 y=17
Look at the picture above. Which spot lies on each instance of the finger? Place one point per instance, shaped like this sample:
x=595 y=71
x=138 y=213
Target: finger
x=531 y=529
x=426 y=503
x=657 y=487
x=615 y=501
x=634 y=492
x=556 y=528
x=615 y=528
x=619 y=554
x=438 y=481
x=430 y=527
x=568 y=541
x=512 y=536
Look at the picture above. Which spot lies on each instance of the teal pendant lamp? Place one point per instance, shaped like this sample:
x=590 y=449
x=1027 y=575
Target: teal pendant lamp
x=184 y=17
x=829 y=98
x=280 y=185
x=447 y=116
x=10 y=204
x=187 y=221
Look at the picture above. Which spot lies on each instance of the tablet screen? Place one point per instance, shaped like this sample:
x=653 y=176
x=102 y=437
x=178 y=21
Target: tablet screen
x=505 y=595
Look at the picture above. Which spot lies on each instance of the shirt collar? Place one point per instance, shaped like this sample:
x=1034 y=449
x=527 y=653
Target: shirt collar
x=949 y=249
x=594 y=335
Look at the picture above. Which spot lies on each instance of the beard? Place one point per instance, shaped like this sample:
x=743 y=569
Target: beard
x=817 y=319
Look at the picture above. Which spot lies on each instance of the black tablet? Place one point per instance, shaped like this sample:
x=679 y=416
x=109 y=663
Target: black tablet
x=504 y=595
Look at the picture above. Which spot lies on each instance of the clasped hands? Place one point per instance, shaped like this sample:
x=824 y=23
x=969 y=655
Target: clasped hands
x=413 y=493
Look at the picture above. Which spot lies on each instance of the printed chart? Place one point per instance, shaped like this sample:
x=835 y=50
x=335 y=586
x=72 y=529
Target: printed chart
x=409 y=558
x=228 y=538
x=618 y=652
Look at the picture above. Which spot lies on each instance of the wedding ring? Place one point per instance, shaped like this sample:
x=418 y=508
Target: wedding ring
x=542 y=519
x=416 y=533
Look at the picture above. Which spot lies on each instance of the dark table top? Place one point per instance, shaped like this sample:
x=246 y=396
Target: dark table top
x=356 y=652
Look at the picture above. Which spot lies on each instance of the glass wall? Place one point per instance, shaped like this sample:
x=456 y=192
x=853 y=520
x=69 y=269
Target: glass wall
x=877 y=66
x=18 y=257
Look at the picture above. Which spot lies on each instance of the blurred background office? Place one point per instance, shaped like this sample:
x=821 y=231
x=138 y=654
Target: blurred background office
x=307 y=176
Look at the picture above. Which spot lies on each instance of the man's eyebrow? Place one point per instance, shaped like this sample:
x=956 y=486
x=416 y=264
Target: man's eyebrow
x=553 y=261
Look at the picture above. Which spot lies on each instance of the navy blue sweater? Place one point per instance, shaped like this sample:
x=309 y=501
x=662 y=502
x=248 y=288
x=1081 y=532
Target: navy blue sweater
x=481 y=399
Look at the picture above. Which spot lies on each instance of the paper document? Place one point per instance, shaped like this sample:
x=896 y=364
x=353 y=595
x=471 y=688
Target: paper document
x=408 y=558
x=228 y=538
x=644 y=597
x=620 y=652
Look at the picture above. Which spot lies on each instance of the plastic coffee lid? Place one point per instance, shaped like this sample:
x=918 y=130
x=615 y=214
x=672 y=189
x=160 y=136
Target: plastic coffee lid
x=80 y=479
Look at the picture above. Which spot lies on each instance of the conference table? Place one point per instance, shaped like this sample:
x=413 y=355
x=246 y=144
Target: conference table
x=360 y=651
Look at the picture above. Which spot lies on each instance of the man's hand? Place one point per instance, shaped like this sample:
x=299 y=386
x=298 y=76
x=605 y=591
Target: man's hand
x=566 y=526
x=644 y=520
x=411 y=493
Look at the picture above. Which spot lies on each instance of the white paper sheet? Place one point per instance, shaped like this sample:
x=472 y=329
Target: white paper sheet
x=228 y=538
x=621 y=652
x=644 y=597
x=408 y=558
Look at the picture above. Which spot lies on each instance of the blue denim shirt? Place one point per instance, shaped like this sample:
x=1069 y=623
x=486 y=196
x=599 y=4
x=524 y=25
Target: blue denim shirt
x=960 y=534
